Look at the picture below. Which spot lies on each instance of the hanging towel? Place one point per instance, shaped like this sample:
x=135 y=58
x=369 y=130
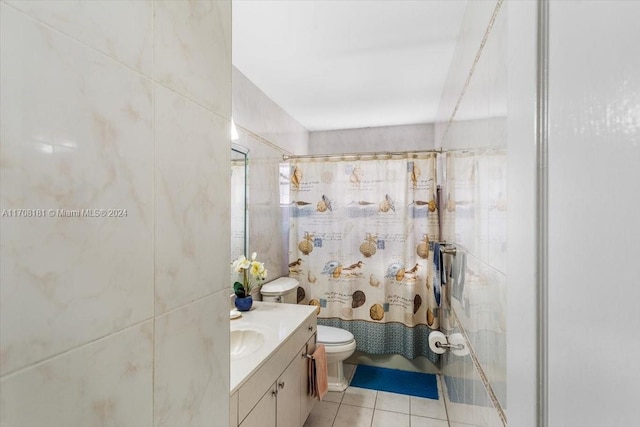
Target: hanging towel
x=437 y=272
x=458 y=272
x=318 y=381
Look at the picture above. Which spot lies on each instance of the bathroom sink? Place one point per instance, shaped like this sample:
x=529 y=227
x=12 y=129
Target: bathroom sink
x=245 y=342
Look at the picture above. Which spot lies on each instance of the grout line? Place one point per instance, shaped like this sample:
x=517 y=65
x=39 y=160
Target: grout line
x=478 y=367
x=151 y=78
x=263 y=140
x=444 y=401
x=72 y=38
x=52 y=357
x=465 y=86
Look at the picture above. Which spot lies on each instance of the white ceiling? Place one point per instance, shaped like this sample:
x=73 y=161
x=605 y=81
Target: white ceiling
x=348 y=64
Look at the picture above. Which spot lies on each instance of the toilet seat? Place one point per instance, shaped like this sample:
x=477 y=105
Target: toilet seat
x=330 y=336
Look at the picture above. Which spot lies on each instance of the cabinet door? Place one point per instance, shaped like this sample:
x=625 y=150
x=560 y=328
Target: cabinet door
x=264 y=413
x=233 y=410
x=306 y=400
x=288 y=402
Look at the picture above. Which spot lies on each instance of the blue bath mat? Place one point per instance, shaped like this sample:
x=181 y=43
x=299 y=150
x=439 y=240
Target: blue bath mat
x=396 y=381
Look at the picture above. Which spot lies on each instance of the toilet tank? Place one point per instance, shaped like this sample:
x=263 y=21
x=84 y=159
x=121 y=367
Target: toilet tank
x=283 y=289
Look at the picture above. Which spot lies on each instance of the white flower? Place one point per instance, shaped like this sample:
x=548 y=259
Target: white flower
x=251 y=270
x=257 y=268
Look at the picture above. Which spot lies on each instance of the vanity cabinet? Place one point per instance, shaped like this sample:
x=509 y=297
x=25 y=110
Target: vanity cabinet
x=276 y=394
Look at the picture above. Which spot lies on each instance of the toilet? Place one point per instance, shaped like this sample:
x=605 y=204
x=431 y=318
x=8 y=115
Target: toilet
x=283 y=289
x=339 y=344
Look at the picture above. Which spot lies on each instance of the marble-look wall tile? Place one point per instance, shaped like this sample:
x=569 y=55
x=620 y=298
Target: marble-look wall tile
x=256 y=112
x=120 y=30
x=374 y=139
x=192 y=201
x=105 y=383
x=71 y=139
x=192 y=364
x=192 y=51
x=266 y=227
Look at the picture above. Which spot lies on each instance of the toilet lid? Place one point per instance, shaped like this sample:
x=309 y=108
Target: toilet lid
x=330 y=335
x=280 y=286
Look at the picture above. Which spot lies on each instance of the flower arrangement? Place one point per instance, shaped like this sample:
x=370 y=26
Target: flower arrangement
x=253 y=274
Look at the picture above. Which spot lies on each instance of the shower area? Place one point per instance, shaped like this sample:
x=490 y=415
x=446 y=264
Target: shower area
x=386 y=246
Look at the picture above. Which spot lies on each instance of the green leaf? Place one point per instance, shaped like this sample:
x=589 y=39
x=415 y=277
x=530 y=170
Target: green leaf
x=238 y=289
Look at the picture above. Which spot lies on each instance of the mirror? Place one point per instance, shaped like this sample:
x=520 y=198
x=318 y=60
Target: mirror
x=239 y=211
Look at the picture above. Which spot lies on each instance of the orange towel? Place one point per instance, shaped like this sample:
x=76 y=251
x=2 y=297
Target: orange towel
x=319 y=372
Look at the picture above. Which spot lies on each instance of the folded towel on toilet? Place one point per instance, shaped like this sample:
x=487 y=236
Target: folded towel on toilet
x=318 y=380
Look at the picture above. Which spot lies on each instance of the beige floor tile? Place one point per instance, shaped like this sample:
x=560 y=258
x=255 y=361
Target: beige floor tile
x=360 y=397
x=427 y=422
x=333 y=396
x=390 y=419
x=393 y=402
x=322 y=415
x=428 y=408
x=353 y=416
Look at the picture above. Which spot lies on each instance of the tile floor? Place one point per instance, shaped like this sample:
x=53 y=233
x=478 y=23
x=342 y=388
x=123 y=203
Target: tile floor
x=359 y=407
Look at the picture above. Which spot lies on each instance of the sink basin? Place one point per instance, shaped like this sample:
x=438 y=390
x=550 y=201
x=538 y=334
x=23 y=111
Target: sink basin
x=245 y=342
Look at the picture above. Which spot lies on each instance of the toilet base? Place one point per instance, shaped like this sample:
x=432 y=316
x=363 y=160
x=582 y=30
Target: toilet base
x=336 y=378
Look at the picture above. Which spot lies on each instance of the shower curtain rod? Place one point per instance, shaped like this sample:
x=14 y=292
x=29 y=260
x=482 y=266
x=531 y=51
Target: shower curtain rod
x=359 y=155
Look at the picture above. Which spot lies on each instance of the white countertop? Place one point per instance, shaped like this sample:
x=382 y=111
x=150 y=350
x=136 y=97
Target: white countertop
x=277 y=322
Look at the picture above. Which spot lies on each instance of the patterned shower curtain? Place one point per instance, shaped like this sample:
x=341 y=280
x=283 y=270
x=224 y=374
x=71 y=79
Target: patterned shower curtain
x=361 y=245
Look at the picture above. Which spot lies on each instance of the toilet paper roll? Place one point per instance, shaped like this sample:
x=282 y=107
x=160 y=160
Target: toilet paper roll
x=437 y=337
x=458 y=339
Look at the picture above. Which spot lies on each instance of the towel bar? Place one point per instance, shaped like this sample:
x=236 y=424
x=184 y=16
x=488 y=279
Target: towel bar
x=449 y=251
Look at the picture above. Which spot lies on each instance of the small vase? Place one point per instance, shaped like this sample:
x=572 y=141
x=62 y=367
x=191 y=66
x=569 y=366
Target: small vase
x=244 y=304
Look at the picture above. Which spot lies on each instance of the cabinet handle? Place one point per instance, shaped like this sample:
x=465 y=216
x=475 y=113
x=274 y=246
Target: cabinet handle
x=310 y=328
x=281 y=384
x=274 y=392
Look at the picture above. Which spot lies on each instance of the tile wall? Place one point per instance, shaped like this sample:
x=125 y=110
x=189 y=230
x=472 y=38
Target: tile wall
x=373 y=139
x=521 y=213
x=125 y=106
x=269 y=133
x=472 y=127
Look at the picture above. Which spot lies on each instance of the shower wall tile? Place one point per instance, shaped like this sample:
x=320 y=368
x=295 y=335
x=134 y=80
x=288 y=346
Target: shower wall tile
x=256 y=112
x=375 y=139
x=475 y=96
x=190 y=144
x=120 y=30
x=465 y=396
x=477 y=16
x=71 y=139
x=190 y=377
x=192 y=51
x=106 y=382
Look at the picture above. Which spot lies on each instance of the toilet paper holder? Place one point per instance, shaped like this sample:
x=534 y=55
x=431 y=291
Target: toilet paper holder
x=449 y=345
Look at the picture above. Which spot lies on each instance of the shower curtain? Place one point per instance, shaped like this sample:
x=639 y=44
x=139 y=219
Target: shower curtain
x=361 y=246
